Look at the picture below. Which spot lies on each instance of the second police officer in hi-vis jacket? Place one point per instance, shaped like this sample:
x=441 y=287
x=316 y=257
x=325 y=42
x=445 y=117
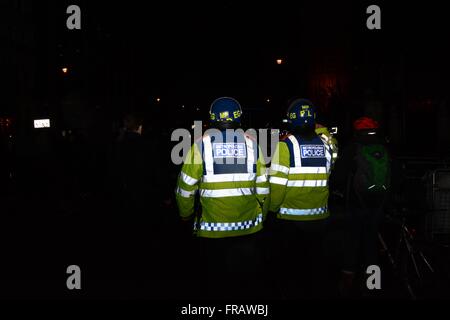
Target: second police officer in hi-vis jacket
x=299 y=175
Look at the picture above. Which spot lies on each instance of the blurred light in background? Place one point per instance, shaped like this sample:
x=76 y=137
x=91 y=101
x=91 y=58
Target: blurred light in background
x=41 y=123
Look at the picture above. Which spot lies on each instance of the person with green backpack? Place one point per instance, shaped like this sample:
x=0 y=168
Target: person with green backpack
x=362 y=175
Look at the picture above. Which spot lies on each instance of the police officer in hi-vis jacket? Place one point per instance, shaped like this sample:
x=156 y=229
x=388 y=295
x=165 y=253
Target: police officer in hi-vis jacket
x=227 y=169
x=299 y=175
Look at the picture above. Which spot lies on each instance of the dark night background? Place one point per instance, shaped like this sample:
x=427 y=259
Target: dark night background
x=128 y=54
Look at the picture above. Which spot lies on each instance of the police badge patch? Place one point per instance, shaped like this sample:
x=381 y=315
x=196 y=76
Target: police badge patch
x=312 y=151
x=229 y=150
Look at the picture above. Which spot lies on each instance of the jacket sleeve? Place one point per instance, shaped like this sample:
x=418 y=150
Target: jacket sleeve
x=331 y=141
x=334 y=149
x=262 y=183
x=279 y=171
x=188 y=180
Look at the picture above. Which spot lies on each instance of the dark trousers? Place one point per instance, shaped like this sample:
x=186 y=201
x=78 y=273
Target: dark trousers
x=299 y=254
x=230 y=267
x=361 y=245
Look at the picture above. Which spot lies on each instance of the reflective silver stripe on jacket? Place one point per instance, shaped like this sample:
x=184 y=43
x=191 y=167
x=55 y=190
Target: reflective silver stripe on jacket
x=219 y=193
x=250 y=154
x=261 y=179
x=297 y=154
x=308 y=170
x=184 y=193
x=307 y=183
x=262 y=190
x=208 y=156
x=188 y=179
x=277 y=180
x=229 y=177
x=279 y=168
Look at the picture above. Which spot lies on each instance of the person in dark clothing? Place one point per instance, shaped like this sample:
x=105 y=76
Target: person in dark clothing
x=136 y=201
x=362 y=177
x=135 y=170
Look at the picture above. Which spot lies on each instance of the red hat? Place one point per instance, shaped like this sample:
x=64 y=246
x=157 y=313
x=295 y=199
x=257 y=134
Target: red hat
x=365 y=123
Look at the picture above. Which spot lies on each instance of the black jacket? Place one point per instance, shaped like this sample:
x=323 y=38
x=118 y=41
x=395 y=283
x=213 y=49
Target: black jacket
x=342 y=175
x=135 y=171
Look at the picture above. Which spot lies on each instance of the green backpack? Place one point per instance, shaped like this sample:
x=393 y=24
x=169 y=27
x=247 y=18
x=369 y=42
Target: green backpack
x=371 y=178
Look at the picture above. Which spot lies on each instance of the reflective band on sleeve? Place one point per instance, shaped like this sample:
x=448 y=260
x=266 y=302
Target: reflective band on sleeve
x=277 y=180
x=308 y=170
x=231 y=226
x=184 y=193
x=262 y=190
x=327 y=147
x=208 y=155
x=187 y=179
x=229 y=177
x=261 y=179
x=220 y=193
x=328 y=156
x=303 y=212
x=307 y=183
x=279 y=168
x=250 y=155
x=297 y=155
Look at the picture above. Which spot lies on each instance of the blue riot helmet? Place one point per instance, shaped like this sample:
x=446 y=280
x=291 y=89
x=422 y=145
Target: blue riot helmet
x=225 y=112
x=301 y=114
